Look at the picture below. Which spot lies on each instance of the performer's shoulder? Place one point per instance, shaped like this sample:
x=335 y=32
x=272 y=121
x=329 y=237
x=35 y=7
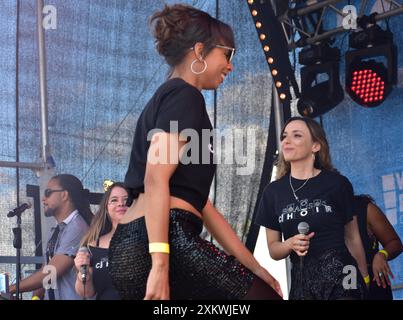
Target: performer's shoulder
x=276 y=184
x=335 y=175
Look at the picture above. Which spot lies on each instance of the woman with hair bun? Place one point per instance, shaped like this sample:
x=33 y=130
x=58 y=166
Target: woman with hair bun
x=157 y=252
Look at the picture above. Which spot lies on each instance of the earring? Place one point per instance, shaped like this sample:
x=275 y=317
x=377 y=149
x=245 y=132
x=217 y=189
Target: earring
x=200 y=72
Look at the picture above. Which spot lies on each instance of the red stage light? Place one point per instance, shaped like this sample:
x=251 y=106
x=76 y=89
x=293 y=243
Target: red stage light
x=366 y=83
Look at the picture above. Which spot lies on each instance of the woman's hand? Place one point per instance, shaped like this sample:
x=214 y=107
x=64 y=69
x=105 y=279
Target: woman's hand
x=263 y=274
x=83 y=259
x=158 y=284
x=300 y=243
x=381 y=270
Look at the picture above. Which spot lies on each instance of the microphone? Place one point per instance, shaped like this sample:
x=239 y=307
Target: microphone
x=303 y=228
x=19 y=210
x=84 y=267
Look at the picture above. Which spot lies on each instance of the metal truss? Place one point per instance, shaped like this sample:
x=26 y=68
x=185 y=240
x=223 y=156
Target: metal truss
x=306 y=18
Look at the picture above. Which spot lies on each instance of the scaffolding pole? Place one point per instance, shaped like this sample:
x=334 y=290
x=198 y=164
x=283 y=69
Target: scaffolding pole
x=279 y=123
x=45 y=174
x=314 y=37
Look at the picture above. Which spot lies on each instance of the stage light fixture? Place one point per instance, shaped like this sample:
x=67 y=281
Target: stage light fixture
x=321 y=89
x=369 y=80
x=274 y=45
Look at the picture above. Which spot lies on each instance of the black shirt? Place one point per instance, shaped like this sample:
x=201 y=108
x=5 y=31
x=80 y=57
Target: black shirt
x=178 y=101
x=101 y=279
x=325 y=203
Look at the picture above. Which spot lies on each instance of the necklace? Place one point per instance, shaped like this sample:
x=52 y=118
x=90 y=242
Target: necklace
x=295 y=190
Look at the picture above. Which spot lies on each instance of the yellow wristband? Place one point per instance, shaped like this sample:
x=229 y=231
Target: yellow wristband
x=162 y=247
x=35 y=298
x=385 y=253
x=367 y=279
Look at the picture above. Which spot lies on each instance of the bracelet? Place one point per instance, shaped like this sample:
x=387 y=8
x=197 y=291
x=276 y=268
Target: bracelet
x=367 y=279
x=385 y=253
x=162 y=247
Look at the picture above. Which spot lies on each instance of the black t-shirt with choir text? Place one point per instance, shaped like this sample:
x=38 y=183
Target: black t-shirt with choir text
x=176 y=107
x=325 y=203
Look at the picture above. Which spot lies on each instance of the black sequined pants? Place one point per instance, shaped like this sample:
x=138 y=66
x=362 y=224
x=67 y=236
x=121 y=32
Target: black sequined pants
x=333 y=275
x=198 y=269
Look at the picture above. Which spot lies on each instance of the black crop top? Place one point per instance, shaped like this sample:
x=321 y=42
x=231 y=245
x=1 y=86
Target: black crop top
x=102 y=280
x=176 y=106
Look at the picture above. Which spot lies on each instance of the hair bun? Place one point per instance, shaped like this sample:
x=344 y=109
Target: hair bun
x=169 y=23
x=177 y=28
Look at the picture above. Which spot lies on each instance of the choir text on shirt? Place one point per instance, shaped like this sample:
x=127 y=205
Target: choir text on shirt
x=292 y=211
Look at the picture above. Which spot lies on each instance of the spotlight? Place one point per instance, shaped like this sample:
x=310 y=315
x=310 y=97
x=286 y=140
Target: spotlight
x=321 y=89
x=368 y=79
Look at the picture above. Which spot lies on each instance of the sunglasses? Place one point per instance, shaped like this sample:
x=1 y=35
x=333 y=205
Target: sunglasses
x=48 y=192
x=230 y=53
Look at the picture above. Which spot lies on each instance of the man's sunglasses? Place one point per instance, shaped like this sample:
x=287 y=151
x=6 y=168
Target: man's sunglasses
x=48 y=192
